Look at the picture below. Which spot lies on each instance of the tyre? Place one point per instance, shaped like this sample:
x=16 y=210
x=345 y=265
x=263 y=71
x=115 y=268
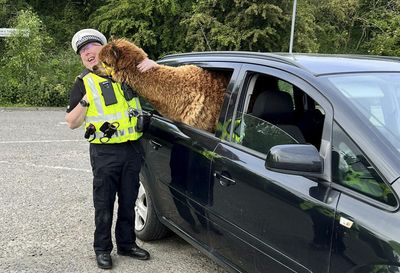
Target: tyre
x=147 y=225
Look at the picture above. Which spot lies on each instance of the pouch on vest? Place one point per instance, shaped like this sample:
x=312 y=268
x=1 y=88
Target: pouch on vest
x=108 y=93
x=129 y=93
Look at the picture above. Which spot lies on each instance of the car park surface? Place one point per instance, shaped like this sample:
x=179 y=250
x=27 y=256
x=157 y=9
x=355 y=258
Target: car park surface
x=300 y=174
x=46 y=212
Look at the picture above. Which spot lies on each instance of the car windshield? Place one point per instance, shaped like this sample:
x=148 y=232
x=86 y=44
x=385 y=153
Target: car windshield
x=377 y=97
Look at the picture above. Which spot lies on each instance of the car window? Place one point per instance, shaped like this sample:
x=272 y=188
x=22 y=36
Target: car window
x=375 y=99
x=272 y=111
x=352 y=169
x=256 y=134
x=147 y=106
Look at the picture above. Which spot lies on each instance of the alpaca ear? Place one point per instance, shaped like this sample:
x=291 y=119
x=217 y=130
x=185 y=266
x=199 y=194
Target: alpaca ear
x=116 y=51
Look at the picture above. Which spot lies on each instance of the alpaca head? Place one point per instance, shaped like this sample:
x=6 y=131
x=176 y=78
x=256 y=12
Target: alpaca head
x=119 y=58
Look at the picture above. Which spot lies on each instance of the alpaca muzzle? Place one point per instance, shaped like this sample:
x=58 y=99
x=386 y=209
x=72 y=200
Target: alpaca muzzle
x=108 y=69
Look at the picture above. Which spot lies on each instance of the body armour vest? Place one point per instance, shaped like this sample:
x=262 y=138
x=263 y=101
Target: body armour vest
x=108 y=109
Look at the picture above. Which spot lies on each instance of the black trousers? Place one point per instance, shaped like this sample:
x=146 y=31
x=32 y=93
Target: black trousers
x=115 y=171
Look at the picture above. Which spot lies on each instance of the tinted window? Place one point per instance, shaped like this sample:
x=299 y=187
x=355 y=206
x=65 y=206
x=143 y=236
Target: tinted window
x=352 y=169
x=273 y=111
x=258 y=134
x=146 y=105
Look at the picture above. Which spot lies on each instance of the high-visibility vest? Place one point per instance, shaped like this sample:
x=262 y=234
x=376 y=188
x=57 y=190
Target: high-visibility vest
x=98 y=113
x=238 y=131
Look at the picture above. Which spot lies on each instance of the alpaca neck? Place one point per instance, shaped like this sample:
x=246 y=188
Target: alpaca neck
x=145 y=85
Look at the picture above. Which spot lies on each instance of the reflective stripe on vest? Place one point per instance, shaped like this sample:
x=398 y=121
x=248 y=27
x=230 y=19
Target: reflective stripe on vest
x=118 y=133
x=98 y=113
x=238 y=130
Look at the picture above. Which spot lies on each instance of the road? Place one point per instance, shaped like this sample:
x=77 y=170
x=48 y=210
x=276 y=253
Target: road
x=46 y=212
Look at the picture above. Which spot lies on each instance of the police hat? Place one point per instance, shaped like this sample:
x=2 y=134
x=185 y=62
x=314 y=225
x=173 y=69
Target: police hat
x=85 y=36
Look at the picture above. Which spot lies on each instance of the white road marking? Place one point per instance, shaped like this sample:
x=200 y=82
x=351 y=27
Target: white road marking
x=42 y=141
x=46 y=166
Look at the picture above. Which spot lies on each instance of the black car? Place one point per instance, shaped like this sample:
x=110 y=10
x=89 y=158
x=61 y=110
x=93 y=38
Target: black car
x=300 y=174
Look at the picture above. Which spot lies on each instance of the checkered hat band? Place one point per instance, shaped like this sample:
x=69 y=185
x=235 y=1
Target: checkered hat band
x=87 y=39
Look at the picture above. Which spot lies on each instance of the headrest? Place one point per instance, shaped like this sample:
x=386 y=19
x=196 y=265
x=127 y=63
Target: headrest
x=272 y=103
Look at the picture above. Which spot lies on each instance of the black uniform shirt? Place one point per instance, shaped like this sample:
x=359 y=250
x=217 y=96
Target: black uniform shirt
x=77 y=93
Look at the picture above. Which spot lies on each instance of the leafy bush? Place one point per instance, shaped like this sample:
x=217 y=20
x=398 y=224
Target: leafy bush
x=30 y=75
x=39 y=70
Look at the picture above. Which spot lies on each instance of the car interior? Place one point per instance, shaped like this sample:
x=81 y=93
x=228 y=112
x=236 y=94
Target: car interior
x=287 y=107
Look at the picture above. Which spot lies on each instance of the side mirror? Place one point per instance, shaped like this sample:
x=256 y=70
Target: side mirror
x=302 y=159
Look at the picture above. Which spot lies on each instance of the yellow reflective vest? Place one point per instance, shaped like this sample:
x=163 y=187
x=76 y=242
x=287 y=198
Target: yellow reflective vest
x=117 y=113
x=237 y=134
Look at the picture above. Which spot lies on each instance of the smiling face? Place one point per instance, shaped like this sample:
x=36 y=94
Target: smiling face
x=89 y=54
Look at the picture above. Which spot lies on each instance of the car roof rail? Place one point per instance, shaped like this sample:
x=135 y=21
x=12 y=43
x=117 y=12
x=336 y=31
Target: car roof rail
x=280 y=57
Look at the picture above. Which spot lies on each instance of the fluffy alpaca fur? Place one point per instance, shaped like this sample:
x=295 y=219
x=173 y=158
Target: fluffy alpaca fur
x=187 y=93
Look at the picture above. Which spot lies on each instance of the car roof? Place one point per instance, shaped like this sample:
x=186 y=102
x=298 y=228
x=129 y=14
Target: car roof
x=317 y=64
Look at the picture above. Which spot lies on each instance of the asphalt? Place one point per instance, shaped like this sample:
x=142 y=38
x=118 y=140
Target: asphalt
x=46 y=211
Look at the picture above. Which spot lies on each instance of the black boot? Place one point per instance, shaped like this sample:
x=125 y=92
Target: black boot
x=104 y=260
x=134 y=252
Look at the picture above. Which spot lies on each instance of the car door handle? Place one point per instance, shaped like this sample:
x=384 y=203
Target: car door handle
x=155 y=144
x=224 y=179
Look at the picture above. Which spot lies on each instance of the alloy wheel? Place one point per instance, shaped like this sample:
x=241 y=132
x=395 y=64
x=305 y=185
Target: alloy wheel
x=141 y=209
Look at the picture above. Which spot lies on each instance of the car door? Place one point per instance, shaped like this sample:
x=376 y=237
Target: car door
x=366 y=237
x=262 y=220
x=180 y=159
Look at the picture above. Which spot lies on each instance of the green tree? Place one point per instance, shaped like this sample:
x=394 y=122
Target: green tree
x=327 y=26
x=238 y=25
x=63 y=18
x=380 y=28
x=306 y=28
x=152 y=24
x=40 y=69
x=21 y=58
x=31 y=75
x=8 y=9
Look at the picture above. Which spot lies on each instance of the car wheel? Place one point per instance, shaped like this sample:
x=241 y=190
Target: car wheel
x=147 y=225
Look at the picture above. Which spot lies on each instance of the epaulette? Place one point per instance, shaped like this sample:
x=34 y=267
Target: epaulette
x=83 y=74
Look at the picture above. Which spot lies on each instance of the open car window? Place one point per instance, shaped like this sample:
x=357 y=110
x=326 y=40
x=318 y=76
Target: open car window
x=272 y=111
x=256 y=134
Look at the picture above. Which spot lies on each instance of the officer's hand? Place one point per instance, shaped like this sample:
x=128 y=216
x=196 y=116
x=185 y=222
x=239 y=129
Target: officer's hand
x=147 y=65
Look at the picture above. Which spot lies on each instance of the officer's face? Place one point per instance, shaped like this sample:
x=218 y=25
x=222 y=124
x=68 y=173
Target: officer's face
x=89 y=54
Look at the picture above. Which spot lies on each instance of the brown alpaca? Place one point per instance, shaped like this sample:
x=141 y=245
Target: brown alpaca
x=187 y=93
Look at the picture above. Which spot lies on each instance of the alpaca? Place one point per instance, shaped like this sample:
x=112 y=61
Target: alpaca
x=187 y=94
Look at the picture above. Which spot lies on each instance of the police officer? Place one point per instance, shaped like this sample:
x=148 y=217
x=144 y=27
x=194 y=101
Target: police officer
x=115 y=153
